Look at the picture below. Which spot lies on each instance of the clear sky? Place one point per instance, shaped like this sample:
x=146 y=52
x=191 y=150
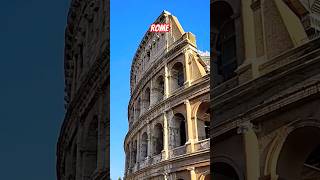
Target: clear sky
x=129 y=21
x=31 y=87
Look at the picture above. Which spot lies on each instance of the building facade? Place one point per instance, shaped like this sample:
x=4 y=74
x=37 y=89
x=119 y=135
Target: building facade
x=83 y=145
x=265 y=89
x=168 y=112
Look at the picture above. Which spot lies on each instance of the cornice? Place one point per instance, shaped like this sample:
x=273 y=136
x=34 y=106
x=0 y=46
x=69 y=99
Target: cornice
x=311 y=91
x=171 y=161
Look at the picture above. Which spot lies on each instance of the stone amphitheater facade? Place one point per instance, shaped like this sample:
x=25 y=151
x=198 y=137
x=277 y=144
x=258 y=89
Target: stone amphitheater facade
x=168 y=111
x=83 y=145
x=265 y=89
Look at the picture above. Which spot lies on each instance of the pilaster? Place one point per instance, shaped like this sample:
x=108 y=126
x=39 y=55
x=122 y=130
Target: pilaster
x=187 y=71
x=193 y=175
x=189 y=125
x=138 y=148
x=149 y=153
x=152 y=95
x=251 y=146
x=166 y=136
x=166 y=81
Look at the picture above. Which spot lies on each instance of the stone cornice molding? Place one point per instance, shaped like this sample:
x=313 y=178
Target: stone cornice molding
x=282 y=102
x=170 y=163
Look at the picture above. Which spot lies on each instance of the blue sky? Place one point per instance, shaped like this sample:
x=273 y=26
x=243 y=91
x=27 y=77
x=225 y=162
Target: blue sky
x=31 y=87
x=129 y=22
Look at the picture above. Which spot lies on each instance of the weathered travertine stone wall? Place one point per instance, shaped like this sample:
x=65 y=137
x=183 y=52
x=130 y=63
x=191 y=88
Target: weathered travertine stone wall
x=265 y=119
x=83 y=145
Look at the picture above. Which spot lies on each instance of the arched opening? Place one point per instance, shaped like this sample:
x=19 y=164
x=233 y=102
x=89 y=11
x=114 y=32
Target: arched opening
x=224 y=40
x=91 y=152
x=131 y=116
x=203 y=121
x=183 y=137
x=299 y=158
x=127 y=151
x=207 y=177
x=158 y=139
x=138 y=107
x=131 y=154
x=177 y=76
x=134 y=152
x=159 y=89
x=144 y=145
x=146 y=99
x=224 y=171
x=178 y=131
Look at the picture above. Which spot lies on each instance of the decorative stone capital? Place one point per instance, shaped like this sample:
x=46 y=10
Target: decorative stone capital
x=244 y=127
x=191 y=168
x=186 y=101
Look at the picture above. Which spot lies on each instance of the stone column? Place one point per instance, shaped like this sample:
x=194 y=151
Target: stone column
x=193 y=175
x=187 y=71
x=152 y=95
x=196 y=128
x=126 y=162
x=166 y=81
x=189 y=125
x=251 y=146
x=166 y=135
x=149 y=153
x=130 y=156
x=245 y=69
x=138 y=148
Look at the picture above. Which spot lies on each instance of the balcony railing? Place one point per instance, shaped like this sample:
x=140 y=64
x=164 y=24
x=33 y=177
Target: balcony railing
x=144 y=163
x=202 y=145
x=173 y=153
x=157 y=158
x=177 y=151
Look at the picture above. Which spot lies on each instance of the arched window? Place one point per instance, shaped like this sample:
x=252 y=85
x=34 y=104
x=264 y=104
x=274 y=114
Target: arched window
x=134 y=152
x=177 y=76
x=299 y=156
x=144 y=145
x=147 y=98
x=178 y=131
x=158 y=139
x=159 y=89
x=224 y=40
x=183 y=138
x=203 y=121
x=131 y=114
x=127 y=165
x=138 y=106
x=224 y=171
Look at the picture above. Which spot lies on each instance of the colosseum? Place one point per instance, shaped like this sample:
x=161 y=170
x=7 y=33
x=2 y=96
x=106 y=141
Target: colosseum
x=168 y=112
x=265 y=89
x=83 y=145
